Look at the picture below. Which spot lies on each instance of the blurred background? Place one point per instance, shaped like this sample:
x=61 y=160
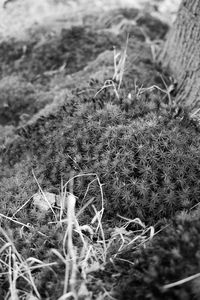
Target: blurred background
x=16 y=16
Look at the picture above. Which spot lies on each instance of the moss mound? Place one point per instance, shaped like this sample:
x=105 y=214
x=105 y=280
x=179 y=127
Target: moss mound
x=149 y=162
x=145 y=153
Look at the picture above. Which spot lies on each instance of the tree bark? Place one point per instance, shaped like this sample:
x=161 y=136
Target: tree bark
x=181 y=53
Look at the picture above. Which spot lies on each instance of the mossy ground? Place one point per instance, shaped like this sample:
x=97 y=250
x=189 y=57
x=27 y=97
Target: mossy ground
x=56 y=118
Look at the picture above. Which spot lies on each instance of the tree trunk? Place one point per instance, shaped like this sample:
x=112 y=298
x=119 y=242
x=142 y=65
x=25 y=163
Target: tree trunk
x=181 y=53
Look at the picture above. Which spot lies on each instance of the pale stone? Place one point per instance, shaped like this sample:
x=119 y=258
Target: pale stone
x=44 y=201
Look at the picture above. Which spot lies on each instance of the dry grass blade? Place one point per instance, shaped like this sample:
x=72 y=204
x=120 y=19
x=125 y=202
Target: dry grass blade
x=17 y=267
x=119 y=64
x=108 y=83
x=20 y=208
x=12 y=275
x=182 y=281
x=15 y=221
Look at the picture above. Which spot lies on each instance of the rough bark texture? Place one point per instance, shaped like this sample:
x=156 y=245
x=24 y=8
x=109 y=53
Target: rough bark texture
x=181 y=53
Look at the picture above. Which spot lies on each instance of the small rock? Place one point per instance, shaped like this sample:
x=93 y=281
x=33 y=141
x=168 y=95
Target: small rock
x=44 y=201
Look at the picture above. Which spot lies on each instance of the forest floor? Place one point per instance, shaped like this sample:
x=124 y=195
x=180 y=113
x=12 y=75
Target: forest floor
x=20 y=15
x=99 y=178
